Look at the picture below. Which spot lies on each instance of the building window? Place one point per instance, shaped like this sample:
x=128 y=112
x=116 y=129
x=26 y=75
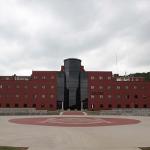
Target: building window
x=92 y=96
x=25 y=105
x=52 y=77
x=16 y=105
x=143 y=87
x=35 y=86
x=35 y=96
x=35 y=77
x=127 y=96
x=43 y=86
x=25 y=96
x=100 y=78
x=92 y=87
x=109 y=78
x=92 y=77
x=118 y=106
x=108 y=87
x=17 y=95
x=51 y=105
x=118 y=87
x=51 y=96
x=144 y=96
x=136 y=79
x=7 y=105
x=135 y=87
x=100 y=87
x=7 y=78
x=42 y=106
x=118 y=96
x=109 y=96
x=7 y=96
x=43 y=77
x=8 y=86
x=101 y=106
x=136 y=96
x=109 y=106
x=126 y=87
x=127 y=106
x=101 y=96
x=34 y=105
x=25 y=86
x=43 y=96
x=1 y=86
x=52 y=87
x=17 y=86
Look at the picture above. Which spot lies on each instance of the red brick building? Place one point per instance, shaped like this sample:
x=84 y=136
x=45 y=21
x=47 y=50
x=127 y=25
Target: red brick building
x=73 y=88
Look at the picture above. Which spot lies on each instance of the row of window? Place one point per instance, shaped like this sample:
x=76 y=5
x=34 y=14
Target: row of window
x=118 y=79
x=35 y=96
x=116 y=87
x=101 y=77
x=118 y=96
x=43 y=86
x=27 y=77
x=44 y=77
x=120 y=106
x=26 y=87
x=25 y=105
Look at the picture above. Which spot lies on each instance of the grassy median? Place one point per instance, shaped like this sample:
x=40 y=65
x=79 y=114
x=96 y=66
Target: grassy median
x=12 y=148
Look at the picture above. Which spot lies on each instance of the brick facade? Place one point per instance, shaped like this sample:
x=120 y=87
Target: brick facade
x=105 y=91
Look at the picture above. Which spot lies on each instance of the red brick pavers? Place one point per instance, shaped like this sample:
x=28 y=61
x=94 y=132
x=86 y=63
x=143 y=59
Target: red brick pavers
x=75 y=121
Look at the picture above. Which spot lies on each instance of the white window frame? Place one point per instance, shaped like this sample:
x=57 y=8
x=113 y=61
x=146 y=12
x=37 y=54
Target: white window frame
x=92 y=87
x=92 y=77
x=109 y=77
x=101 y=96
x=92 y=96
x=101 y=78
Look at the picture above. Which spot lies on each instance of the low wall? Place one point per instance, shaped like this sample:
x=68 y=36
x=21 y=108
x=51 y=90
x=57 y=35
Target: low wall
x=125 y=112
x=33 y=111
x=25 y=111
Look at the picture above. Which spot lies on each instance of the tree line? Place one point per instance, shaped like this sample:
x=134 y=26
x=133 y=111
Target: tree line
x=143 y=74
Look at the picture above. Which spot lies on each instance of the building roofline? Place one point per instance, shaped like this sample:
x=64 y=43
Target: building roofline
x=72 y=59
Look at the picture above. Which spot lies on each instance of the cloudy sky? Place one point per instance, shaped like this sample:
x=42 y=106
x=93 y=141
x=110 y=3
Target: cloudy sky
x=105 y=34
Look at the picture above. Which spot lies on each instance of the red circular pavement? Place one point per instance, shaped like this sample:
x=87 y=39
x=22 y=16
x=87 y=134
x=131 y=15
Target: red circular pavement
x=74 y=121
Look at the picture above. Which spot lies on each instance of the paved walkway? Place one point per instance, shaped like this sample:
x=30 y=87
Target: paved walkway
x=72 y=113
x=126 y=137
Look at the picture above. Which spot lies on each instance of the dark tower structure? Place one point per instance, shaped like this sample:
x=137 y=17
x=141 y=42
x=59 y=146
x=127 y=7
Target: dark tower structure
x=72 y=83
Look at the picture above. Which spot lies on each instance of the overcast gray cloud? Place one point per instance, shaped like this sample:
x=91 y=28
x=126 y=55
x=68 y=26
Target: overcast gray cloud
x=38 y=35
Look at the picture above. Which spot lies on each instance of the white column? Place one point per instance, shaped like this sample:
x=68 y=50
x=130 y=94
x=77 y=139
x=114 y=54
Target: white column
x=92 y=106
x=81 y=105
x=62 y=105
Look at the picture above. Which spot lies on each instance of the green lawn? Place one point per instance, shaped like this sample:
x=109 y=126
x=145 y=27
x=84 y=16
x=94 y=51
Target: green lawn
x=12 y=148
x=145 y=148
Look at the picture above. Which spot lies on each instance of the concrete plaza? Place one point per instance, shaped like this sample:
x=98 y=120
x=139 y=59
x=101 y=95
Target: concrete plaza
x=119 y=137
